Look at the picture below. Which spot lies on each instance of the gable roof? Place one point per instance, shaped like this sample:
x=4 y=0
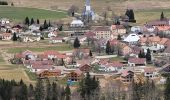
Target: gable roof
x=137 y=60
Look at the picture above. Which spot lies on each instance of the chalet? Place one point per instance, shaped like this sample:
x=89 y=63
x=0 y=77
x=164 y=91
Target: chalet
x=75 y=76
x=49 y=73
x=127 y=76
x=150 y=72
x=136 y=62
x=85 y=68
x=102 y=32
x=6 y=36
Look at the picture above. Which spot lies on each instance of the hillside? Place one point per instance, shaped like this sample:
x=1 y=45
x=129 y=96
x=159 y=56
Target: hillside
x=144 y=9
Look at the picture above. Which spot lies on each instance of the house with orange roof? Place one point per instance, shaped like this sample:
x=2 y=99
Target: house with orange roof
x=75 y=76
x=136 y=62
x=85 y=68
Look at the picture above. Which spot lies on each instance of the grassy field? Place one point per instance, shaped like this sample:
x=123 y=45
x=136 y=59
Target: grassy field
x=63 y=47
x=19 y=13
x=143 y=16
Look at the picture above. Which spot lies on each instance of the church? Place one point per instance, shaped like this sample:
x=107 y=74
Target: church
x=87 y=14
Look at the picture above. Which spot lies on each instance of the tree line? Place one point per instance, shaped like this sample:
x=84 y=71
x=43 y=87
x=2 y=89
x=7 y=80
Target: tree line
x=3 y=3
x=43 y=90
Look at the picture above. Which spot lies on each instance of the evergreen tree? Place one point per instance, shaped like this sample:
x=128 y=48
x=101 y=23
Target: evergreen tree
x=12 y=4
x=162 y=16
x=27 y=21
x=167 y=89
x=49 y=24
x=38 y=21
x=14 y=38
x=88 y=86
x=141 y=54
x=119 y=37
x=90 y=53
x=67 y=92
x=130 y=14
x=108 y=48
x=23 y=93
x=39 y=90
x=60 y=28
x=76 y=43
x=148 y=55
x=45 y=25
x=32 y=21
x=41 y=28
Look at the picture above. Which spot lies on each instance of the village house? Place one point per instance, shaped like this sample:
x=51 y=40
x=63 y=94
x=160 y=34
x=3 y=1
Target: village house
x=85 y=68
x=125 y=50
x=49 y=73
x=4 y=21
x=127 y=76
x=39 y=67
x=150 y=72
x=6 y=36
x=52 y=34
x=17 y=29
x=102 y=32
x=75 y=76
x=34 y=27
x=134 y=62
x=56 y=40
x=111 y=66
x=77 y=23
x=117 y=30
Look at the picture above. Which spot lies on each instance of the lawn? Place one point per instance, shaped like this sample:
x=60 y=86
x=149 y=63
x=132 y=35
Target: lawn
x=63 y=47
x=143 y=16
x=32 y=76
x=19 y=13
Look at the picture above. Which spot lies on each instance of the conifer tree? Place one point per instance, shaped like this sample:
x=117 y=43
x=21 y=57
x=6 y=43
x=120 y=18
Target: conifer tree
x=67 y=92
x=39 y=90
x=167 y=89
x=148 y=55
x=76 y=43
x=162 y=16
x=32 y=21
x=108 y=48
x=38 y=21
x=14 y=38
x=27 y=21
x=45 y=24
x=90 y=53
x=119 y=37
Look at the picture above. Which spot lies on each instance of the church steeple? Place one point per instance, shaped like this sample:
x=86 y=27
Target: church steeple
x=87 y=5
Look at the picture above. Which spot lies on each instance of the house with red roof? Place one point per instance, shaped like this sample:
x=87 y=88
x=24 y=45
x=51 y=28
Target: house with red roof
x=51 y=54
x=136 y=62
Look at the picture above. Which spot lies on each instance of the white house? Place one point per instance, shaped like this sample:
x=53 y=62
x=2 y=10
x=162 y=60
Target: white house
x=4 y=21
x=56 y=40
x=132 y=38
x=111 y=67
x=34 y=27
x=52 y=34
x=136 y=29
x=77 y=23
x=150 y=72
